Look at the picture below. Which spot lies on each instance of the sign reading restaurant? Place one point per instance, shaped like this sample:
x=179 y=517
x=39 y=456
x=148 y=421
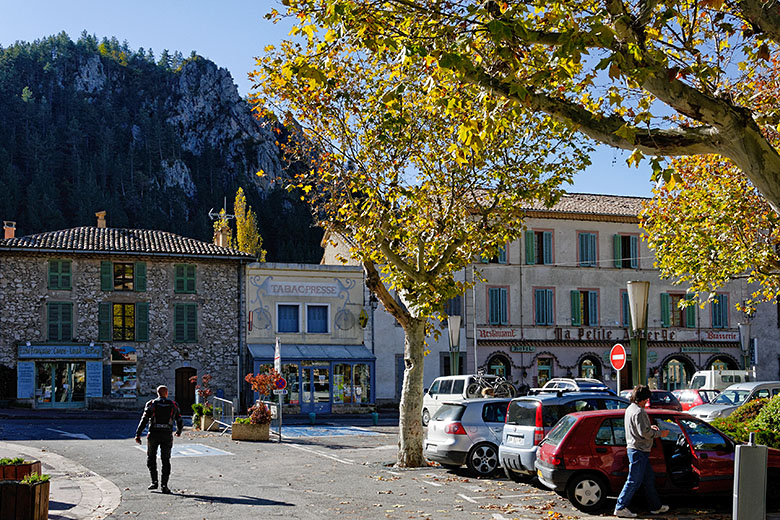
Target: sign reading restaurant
x=498 y=333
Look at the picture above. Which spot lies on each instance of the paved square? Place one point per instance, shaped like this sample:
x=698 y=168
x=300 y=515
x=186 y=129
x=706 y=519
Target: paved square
x=192 y=450
x=323 y=431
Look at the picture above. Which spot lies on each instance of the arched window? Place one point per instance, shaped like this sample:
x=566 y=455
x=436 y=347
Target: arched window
x=676 y=374
x=590 y=368
x=499 y=365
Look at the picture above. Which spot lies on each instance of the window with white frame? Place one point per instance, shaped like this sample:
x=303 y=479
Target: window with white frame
x=317 y=318
x=288 y=317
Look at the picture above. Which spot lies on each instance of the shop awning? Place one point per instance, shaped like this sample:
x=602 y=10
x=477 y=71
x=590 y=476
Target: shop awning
x=313 y=352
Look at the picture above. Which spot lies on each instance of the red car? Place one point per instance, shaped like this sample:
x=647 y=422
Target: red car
x=694 y=397
x=584 y=457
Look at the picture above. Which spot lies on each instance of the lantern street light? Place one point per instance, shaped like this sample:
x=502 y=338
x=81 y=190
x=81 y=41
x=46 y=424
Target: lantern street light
x=453 y=326
x=638 y=292
x=744 y=342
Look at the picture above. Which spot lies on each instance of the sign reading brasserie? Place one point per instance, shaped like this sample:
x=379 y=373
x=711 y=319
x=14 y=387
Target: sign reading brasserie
x=717 y=335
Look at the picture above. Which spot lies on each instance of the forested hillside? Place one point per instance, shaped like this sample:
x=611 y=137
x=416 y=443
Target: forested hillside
x=156 y=141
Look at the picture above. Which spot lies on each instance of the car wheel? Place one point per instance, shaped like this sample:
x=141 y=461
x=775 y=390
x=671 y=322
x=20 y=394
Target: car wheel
x=587 y=492
x=426 y=417
x=483 y=459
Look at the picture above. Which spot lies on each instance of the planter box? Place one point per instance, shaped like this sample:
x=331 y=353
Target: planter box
x=24 y=502
x=206 y=421
x=250 y=432
x=19 y=471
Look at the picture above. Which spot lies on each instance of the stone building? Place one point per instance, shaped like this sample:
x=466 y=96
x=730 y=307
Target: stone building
x=98 y=317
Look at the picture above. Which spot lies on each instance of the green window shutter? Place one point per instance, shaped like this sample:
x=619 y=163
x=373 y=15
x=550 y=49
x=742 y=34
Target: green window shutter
x=576 y=319
x=634 y=252
x=178 y=322
x=178 y=277
x=104 y=321
x=53 y=318
x=626 y=310
x=142 y=321
x=54 y=274
x=139 y=277
x=724 y=298
x=192 y=322
x=66 y=322
x=547 y=247
x=593 y=308
x=106 y=276
x=530 y=250
x=690 y=314
x=665 y=310
x=616 y=239
x=190 y=278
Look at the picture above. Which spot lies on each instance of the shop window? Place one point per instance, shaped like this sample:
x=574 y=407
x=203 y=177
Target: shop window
x=123 y=276
x=288 y=318
x=185 y=322
x=674 y=316
x=342 y=382
x=587 y=249
x=60 y=275
x=626 y=250
x=720 y=312
x=497 y=306
x=184 y=278
x=316 y=319
x=290 y=374
x=544 y=370
x=585 y=308
x=362 y=383
x=538 y=247
x=60 y=321
x=124 y=380
x=543 y=307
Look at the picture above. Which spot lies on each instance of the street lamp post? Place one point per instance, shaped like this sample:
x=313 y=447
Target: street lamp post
x=453 y=327
x=744 y=342
x=638 y=292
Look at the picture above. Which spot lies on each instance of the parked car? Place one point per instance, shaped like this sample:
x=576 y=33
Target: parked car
x=694 y=397
x=530 y=417
x=733 y=397
x=467 y=432
x=447 y=388
x=584 y=457
x=658 y=399
x=581 y=384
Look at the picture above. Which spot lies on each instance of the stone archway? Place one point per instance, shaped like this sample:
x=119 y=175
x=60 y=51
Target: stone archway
x=589 y=365
x=676 y=372
x=721 y=362
x=500 y=365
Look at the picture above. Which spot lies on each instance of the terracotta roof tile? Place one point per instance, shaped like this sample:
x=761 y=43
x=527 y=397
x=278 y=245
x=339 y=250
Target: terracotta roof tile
x=593 y=204
x=119 y=240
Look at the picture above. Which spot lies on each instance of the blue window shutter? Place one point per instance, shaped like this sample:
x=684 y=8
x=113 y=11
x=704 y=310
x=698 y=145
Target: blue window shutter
x=626 y=311
x=576 y=319
x=547 y=247
x=724 y=298
x=493 y=306
x=142 y=321
x=504 y=306
x=593 y=308
x=583 y=249
x=618 y=254
x=592 y=248
x=502 y=255
x=539 y=307
x=549 y=307
x=634 y=252
x=665 y=310
x=530 y=250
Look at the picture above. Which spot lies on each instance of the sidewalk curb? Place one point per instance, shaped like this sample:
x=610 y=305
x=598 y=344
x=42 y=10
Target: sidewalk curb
x=99 y=497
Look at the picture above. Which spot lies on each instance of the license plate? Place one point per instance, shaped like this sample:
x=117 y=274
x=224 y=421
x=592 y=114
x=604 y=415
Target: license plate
x=432 y=447
x=539 y=473
x=512 y=439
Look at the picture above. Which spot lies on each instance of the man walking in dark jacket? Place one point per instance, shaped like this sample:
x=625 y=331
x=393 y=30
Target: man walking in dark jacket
x=160 y=414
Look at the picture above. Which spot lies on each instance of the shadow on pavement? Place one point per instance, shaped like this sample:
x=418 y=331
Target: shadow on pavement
x=242 y=500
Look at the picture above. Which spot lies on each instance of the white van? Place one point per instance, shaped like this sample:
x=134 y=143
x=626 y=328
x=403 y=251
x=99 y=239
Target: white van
x=446 y=388
x=719 y=379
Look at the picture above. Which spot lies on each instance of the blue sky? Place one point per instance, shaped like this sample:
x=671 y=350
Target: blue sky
x=231 y=34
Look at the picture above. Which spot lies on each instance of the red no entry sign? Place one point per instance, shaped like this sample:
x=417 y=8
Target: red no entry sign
x=617 y=356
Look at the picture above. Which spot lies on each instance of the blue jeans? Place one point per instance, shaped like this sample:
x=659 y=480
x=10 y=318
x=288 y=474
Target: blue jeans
x=640 y=471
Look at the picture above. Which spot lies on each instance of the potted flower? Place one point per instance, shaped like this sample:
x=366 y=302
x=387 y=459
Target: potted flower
x=18 y=468
x=203 y=415
x=26 y=499
x=256 y=427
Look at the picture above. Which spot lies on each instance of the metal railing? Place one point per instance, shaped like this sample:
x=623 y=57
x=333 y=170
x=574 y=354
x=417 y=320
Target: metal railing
x=276 y=419
x=224 y=413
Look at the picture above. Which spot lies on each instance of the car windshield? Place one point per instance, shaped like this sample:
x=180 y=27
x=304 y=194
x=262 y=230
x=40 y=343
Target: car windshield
x=449 y=412
x=697 y=382
x=560 y=430
x=732 y=397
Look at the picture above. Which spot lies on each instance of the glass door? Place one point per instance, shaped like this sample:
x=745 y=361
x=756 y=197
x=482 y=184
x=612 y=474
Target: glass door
x=61 y=384
x=315 y=390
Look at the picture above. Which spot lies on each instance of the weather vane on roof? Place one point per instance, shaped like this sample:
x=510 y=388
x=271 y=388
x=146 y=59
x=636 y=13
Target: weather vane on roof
x=215 y=216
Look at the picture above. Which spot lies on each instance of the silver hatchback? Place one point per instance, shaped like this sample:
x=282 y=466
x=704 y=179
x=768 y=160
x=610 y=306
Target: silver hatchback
x=467 y=432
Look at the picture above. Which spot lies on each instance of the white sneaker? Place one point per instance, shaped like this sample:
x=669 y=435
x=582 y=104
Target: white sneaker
x=660 y=510
x=625 y=513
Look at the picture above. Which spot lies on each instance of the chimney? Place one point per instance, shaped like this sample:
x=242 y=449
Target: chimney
x=101 y=216
x=10 y=228
x=221 y=236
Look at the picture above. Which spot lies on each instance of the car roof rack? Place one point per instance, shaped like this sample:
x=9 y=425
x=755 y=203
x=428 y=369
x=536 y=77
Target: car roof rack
x=561 y=391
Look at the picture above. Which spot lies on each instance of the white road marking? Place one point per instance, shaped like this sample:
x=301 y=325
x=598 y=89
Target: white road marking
x=315 y=452
x=71 y=435
x=433 y=483
x=394 y=473
x=467 y=499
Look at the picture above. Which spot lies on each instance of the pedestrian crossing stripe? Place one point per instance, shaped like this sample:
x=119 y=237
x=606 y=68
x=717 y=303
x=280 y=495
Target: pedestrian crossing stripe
x=324 y=431
x=192 y=450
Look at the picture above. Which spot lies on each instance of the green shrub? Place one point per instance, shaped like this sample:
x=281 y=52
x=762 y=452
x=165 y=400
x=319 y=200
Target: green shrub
x=35 y=478
x=242 y=420
x=767 y=424
x=9 y=462
x=737 y=425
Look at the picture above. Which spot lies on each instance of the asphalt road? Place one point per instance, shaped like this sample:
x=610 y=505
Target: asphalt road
x=344 y=476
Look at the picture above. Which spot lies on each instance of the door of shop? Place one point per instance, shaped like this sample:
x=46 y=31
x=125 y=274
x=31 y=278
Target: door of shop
x=315 y=389
x=60 y=384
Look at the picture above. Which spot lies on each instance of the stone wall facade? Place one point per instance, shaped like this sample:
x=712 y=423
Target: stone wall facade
x=24 y=294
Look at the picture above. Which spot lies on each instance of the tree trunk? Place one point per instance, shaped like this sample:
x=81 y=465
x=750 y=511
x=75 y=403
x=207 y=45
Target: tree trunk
x=410 y=438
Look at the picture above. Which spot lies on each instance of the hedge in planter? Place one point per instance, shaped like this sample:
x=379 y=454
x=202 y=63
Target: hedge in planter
x=18 y=468
x=27 y=499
